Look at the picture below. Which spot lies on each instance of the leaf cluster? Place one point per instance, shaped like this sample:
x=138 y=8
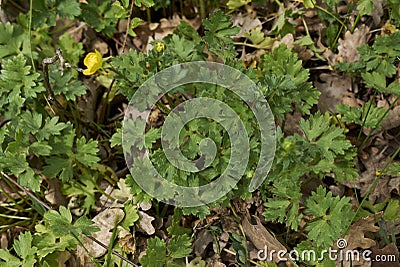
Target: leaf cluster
x=57 y=234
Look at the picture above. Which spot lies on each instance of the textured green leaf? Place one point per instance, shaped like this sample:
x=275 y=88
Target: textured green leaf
x=8 y=260
x=285 y=82
x=367 y=116
x=65 y=83
x=68 y=8
x=86 y=152
x=17 y=85
x=55 y=165
x=365 y=6
x=60 y=223
x=116 y=139
x=259 y=39
x=219 y=30
x=155 y=254
x=334 y=216
x=179 y=246
x=51 y=127
x=71 y=51
x=329 y=139
x=146 y=3
x=392 y=211
x=12 y=37
x=29 y=180
x=23 y=246
x=235 y=4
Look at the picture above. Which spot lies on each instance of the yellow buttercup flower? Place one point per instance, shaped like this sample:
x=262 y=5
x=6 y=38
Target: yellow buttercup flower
x=93 y=61
x=160 y=46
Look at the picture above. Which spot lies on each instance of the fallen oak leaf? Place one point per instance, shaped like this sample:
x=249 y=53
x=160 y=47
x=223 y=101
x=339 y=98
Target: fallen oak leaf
x=106 y=221
x=144 y=223
x=356 y=239
x=261 y=238
x=389 y=252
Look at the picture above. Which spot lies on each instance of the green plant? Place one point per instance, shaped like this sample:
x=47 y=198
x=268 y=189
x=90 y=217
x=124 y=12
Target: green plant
x=45 y=134
x=158 y=253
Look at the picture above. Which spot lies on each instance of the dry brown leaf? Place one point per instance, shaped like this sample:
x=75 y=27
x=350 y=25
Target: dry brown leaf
x=333 y=87
x=76 y=31
x=106 y=221
x=126 y=240
x=373 y=162
x=54 y=195
x=203 y=239
x=348 y=46
x=356 y=236
x=144 y=223
x=377 y=11
x=214 y=262
x=3 y=241
x=287 y=40
x=145 y=206
x=261 y=237
x=394 y=184
x=167 y=26
x=292 y=122
x=392 y=120
x=391 y=227
x=246 y=23
x=349 y=98
x=387 y=252
x=356 y=239
x=327 y=54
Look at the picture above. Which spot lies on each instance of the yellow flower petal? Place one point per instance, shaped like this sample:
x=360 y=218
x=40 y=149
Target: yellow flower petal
x=93 y=61
x=160 y=46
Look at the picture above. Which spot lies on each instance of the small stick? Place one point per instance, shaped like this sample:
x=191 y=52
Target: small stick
x=51 y=60
x=127 y=26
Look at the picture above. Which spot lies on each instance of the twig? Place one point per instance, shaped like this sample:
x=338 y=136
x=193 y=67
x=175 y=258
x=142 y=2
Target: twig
x=127 y=26
x=46 y=62
x=30 y=194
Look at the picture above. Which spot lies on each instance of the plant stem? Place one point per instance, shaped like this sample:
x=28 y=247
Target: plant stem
x=30 y=35
x=379 y=121
x=356 y=22
x=148 y=13
x=127 y=26
x=202 y=9
x=331 y=14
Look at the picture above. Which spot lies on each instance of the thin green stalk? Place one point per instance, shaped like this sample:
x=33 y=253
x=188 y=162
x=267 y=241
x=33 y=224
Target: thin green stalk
x=379 y=121
x=111 y=244
x=365 y=118
x=331 y=14
x=356 y=22
x=4 y=227
x=3 y=191
x=14 y=217
x=62 y=28
x=92 y=259
x=148 y=13
x=337 y=37
x=30 y=35
x=202 y=9
x=164 y=210
x=305 y=25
